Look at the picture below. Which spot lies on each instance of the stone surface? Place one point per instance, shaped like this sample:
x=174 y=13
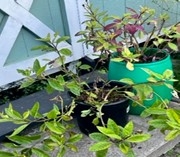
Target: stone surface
x=154 y=147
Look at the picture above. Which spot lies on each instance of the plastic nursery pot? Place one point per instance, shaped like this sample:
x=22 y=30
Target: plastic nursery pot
x=118 y=70
x=117 y=111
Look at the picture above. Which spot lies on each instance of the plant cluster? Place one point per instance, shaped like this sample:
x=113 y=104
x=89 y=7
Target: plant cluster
x=56 y=126
x=55 y=130
x=108 y=34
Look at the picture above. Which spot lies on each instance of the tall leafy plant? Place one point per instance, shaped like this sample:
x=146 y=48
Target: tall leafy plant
x=55 y=130
x=107 y=33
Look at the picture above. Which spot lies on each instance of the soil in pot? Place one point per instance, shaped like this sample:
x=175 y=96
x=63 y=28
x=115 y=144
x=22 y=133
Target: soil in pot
x=116 y=110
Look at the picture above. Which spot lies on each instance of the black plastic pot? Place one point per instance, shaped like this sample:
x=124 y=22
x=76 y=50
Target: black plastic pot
x=118 y=111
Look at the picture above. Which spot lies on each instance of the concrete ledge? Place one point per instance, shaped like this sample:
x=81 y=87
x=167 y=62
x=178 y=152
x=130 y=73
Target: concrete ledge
x=154 y=147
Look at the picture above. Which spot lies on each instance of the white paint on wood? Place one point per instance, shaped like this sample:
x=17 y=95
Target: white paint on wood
x=7 y=38
x=28 y=20
x=19 y=16
x=73 y=16
x=25 y=3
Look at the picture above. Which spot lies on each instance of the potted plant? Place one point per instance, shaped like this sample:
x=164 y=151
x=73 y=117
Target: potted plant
x=56 y=130
x=117 y=40
x=94 y=101
x=99 y=102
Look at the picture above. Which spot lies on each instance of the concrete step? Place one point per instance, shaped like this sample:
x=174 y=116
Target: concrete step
x=154 y=147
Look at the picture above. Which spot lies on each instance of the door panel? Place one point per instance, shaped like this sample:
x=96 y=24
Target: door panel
x=21 y=22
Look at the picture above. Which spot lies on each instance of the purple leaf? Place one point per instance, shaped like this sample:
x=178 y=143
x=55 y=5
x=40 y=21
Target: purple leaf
x=133 y=28
x=110 y=26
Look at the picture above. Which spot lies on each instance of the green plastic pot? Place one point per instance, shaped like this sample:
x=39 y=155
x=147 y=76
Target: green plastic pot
x=118 y=70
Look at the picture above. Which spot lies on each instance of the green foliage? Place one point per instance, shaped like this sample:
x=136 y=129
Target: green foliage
x=107 y=33
x=117 y=136
x=55 y=131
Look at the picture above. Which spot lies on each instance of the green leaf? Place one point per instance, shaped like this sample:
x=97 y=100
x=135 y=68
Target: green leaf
x=113 y=126
x=36 y=66
x=108 y=132
x=66 y=117
x=41 y=70
x=152 y=79
x=13 y=113
x=53 y=113
x=173 y=124
x=128 y=129
x=124 y=147
x=55 y=127
x=54 y=83
x=20 y=139
x=173 y=116
x=130 y=94
x=5 y=120
x=144 y=91
x=170 y=86
x=39 y=152
x=40 y=47
x=75 y=138
x=168 y=74
x=127 y=81
x=63 y=38
x=138 y=138
x=85 y=67
x=95 y=121
x=100 y=146
x=172 y=135
x=156 y=111
x=130 y=66
x=26 y=114
x=158 y=123
x=6 y=154
x=61 y=80
x=130 y=153
x=153 y=74
x=101 y=153
x=96 y=136
x=19 y=129
x=72 y=147
x=11 y=145
x=46 y=39
x=173 y=46
x=117 y=59
x=66 y=52
x=74 y=88
x=35 y=110
x=26 y=72
x=29 y=81
x=61 y=152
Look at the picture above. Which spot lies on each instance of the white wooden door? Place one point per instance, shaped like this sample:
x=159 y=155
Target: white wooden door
x=19 y=17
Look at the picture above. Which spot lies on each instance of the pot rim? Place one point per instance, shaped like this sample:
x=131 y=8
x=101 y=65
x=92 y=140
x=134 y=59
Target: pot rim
x=167 y=58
